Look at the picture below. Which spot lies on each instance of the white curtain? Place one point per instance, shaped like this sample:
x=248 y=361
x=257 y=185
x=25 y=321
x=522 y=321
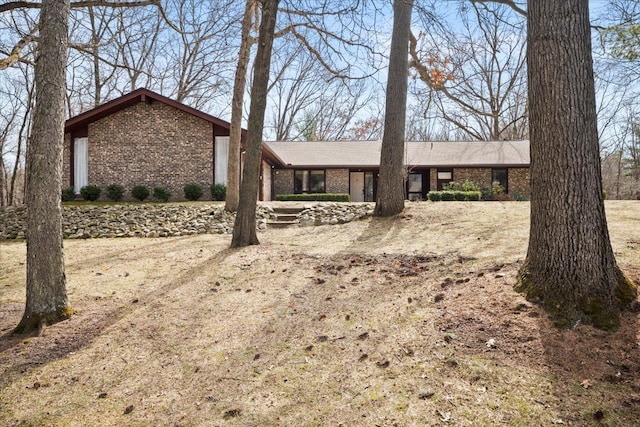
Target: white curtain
x=221 y=159
x=80 y=160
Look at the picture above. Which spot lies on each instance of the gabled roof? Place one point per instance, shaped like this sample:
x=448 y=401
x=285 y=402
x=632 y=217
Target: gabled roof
x=351 y=154
x=138 y=95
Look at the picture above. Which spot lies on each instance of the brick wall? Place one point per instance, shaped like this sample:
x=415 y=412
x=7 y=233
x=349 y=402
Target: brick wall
x=433 y=179
x=150 y=144
x=337 y=181
x=480 y=176
x=519 y=182
x=282 y=182
x=518 y=178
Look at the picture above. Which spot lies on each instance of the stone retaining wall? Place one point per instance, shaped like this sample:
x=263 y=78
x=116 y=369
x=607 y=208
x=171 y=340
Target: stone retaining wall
x=148 y=220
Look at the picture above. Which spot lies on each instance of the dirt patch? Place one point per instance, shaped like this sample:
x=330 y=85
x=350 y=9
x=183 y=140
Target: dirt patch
x=408 y=321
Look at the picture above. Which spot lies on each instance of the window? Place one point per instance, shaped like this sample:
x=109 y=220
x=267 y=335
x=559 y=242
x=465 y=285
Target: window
x=501 y=177
x=414 y=186
x=445 y=176
x=221 y=158
x=309 y=181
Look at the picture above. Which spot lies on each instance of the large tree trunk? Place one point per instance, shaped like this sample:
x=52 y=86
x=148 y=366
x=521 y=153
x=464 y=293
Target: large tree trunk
x=47 y=301
x=235 y=136
x=244 y=229
x=390 y=196
x=570 y=266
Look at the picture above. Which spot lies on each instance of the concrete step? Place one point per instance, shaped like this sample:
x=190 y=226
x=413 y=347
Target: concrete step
x=287 y=210
x=286 y=217
x=280 y=224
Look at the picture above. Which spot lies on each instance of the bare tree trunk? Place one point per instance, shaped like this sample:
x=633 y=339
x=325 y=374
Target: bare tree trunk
x=570 y=266
x=244 y=229
x=235 y=136
x=21 y=137
x=47 y=301
x=390 y=196
x=3 y=183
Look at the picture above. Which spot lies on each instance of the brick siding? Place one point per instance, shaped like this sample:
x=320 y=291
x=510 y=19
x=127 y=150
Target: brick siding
x=337 y=181
x=479 y=176
x=282 y=182
x=518 y=178
x=519 y=182
x=150 y=144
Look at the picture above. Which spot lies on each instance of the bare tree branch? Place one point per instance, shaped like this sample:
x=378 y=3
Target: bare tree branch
x=16 y=53
x=78 y=4
x=512 y=4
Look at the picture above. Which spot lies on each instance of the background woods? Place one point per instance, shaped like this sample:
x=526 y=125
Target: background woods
x=328 y=71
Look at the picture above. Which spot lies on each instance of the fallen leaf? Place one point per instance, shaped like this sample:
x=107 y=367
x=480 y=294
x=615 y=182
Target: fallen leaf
x=231 y=413
x=424 y=395
x=586 y=384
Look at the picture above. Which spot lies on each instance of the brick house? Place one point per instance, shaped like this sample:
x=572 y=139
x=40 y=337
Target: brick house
x=143 y=138
x=352 y=167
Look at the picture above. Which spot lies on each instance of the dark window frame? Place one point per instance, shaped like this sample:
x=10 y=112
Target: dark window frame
x=306 y=181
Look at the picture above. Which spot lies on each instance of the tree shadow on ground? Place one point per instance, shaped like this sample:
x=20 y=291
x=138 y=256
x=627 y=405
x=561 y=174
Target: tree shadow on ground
x=594 y=375
x=379 y=230
x=20 y=353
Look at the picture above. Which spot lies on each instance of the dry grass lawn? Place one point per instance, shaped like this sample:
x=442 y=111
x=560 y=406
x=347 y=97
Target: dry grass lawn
x=410 y=321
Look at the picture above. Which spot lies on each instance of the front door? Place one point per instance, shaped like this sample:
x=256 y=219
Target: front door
x=356 y=186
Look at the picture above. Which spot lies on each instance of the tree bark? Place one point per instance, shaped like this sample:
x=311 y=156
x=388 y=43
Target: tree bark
x=235 y=135
x=244 y=229
x=390 y=196
x=570 y=266
x=47 y=301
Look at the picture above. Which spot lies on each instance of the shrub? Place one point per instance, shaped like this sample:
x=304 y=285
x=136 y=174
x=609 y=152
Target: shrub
x=68 y=194
x=218 y=192
x=140 y=192
x=192 y=192
x=520 y=198
x=469 y=186
x=472 y=196
x=90 y=192
x=313 y=197
x=161 y=194
x=434 y=196
x=487 y=194
x=115 y=192
x=496 y=192
x=460 y=196
x=447 y=196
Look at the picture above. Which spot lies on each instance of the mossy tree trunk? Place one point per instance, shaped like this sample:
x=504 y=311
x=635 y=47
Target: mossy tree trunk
x=244 y=229
x=47 y=301
x=570 y=266
x=235 y=135
x=390 y=195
